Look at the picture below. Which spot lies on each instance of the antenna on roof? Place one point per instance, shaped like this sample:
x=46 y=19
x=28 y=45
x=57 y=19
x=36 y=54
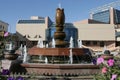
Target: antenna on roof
x=59 y=6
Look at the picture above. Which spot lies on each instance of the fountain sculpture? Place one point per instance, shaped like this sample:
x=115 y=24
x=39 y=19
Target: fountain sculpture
x=59 y=35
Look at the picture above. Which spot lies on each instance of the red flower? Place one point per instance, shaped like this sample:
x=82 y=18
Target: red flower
x=104 y=70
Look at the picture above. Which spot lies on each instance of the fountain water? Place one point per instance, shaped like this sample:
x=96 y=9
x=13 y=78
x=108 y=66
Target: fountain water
x=46 y=60
x=104 y=48
x=25 y=54
x=21 y=50
x=71 y=56
x=71 y=42
x=40 y=43
x=46 y=45
x=79 y=43
x=53 y=43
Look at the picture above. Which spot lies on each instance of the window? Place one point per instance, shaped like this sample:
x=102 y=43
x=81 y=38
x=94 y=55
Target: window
x=94 y=42
x=87 y=43
x=117 y=43
x=103 y=16
x=3 y=27
x=0 y=27
x=31 y=21
x=102 y=44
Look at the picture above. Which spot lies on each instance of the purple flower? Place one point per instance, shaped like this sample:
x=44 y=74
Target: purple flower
x=5 y=72
x=10 y=78
x=114 y=76
x=19 y=78
x=110 y=62
x=100 y=60
x=94 y=61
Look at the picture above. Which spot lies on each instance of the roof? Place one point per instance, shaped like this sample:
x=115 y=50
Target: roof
x=99 y=32
x=30 y=21
x=89 y=21
x=3 y=22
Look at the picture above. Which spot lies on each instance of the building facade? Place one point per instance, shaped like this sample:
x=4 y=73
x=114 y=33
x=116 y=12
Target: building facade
x=96 y=36
x=30 y=31
x=109 y=16
x=3 y=27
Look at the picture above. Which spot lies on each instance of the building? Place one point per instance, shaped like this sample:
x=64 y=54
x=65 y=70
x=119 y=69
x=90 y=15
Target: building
x=107 y=22
x=109 y=16
x=3 y=27
x=89 y=21
x=96 y=36
x=30 y=31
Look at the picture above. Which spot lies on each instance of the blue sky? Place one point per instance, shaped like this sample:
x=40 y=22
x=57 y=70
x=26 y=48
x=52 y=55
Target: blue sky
x=75 y=10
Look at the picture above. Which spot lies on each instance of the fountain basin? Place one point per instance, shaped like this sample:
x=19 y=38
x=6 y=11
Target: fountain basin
x=11 y=56
x=57 y=51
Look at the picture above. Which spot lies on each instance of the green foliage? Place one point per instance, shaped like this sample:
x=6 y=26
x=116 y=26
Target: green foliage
x=3 y=78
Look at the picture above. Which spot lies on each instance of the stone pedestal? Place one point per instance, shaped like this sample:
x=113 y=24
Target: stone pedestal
x=6 y=64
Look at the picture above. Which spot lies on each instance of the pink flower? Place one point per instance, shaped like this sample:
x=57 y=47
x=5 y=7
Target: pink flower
x=114 y=76
x=104 y=70
x=100 y=60
x=6 y=34
x=110 y=62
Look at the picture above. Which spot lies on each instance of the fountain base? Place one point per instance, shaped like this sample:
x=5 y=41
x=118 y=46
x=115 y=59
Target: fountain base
x=61 y=69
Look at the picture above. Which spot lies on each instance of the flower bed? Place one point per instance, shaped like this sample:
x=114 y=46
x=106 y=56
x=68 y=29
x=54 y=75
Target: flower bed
x=109 y=70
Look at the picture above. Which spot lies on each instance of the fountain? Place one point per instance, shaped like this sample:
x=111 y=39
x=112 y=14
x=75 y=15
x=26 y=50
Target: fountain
x=9 y=52
x=9 y=55
x=59 y=59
